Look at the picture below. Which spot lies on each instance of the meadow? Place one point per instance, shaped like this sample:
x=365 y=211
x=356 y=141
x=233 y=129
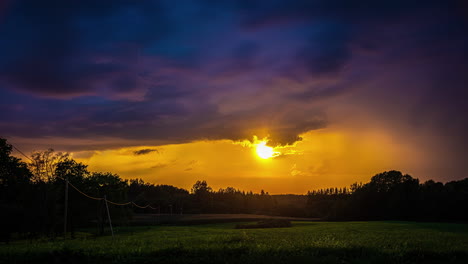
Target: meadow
x=304 y=242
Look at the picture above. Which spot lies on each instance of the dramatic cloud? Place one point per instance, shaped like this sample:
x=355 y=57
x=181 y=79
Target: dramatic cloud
x=163 y=72
x=144 y=151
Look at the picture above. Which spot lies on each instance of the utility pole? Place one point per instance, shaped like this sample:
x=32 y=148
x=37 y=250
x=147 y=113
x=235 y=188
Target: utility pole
x=65 y=217
x=108 y=215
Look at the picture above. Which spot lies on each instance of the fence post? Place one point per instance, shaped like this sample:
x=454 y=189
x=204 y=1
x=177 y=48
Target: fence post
x=65 y=217
x=108 y=215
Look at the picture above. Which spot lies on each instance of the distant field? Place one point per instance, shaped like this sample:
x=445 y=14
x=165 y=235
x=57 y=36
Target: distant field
x=188 y=219
x=305 y=242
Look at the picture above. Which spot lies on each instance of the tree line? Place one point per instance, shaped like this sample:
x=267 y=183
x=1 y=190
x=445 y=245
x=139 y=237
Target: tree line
x=392 y=195
x=32 y=197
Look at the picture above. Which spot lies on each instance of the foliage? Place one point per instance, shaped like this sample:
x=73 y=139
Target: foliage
x=33 y=201
x=166 y=198
x=14 y=188
x=392 y=196
x=201 y=188
x=44 y=163
x=14 y=174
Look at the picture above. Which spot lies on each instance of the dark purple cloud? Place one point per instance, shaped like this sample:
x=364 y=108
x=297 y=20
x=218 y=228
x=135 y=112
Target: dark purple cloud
x=70 y=49
x=156 y=71
x=144 y=151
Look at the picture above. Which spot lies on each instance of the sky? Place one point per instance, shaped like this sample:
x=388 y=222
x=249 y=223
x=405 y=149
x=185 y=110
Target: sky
x=178 y=91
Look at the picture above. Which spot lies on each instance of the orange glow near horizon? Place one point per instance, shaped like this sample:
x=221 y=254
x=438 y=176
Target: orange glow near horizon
x=323 y=158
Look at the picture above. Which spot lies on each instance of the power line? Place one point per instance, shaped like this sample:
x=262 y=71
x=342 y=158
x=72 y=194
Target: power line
x=86 y=195
x=120 y=204
x=67 y=182
x=22 y=153
x=19 y=151
x=143 y=207
x=90 y=197
x=100 y=199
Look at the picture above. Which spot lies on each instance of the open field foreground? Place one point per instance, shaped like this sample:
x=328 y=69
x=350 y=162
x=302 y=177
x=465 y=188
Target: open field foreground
x=194 y=219
x=311 y=242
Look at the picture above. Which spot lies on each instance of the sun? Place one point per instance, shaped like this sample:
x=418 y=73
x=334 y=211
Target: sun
x=263 y=151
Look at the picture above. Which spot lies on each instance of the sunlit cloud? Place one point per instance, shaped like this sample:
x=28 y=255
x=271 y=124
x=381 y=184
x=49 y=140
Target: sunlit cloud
x=319 y=88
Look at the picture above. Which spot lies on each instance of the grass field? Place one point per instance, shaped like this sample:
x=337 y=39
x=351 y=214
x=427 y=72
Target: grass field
x=304 y=242
x=190 y=219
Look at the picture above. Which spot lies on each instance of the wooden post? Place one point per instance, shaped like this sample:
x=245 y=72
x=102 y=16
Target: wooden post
x=108 y=215
x=65 y=217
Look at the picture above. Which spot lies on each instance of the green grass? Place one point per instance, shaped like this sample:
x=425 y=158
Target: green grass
x=305 y=242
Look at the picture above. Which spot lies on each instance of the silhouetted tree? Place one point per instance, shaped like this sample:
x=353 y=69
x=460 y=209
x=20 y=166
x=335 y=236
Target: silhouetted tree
x=44 y=163
x=202 y=195
x=39 y=195
x=162 y=197
x=14 y=191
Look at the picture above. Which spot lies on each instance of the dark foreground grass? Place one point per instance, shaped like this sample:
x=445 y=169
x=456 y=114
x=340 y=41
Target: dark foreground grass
x=304 y=242
x=267 y=223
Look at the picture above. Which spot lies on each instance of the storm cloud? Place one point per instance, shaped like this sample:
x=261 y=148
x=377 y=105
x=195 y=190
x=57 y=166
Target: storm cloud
x=157 y=71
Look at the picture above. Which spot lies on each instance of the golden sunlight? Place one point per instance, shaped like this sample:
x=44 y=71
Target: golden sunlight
x=263 y=151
